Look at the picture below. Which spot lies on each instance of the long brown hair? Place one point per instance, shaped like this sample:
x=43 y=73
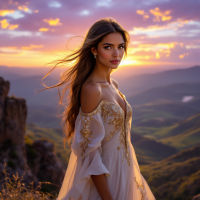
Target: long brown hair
x=83 y=63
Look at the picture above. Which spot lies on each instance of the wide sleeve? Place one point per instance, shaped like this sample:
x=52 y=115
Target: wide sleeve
x=87 y=151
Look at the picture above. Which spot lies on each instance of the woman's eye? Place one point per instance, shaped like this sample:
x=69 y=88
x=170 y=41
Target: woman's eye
x=106 y=47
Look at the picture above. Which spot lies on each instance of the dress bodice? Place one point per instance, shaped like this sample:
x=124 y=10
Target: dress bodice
x=116 y=123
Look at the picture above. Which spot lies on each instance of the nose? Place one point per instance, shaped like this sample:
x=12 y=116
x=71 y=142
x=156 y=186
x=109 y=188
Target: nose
x=116 y=53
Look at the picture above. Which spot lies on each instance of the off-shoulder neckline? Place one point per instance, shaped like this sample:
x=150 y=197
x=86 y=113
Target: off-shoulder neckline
x=109 y=102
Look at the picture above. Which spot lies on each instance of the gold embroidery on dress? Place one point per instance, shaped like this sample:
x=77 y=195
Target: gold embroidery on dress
x=110 y=109
x=141 y=188
x=123 y=134
x=86 y=133
x=116 y=117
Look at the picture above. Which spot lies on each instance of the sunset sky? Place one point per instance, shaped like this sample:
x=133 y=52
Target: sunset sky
x=163 y=32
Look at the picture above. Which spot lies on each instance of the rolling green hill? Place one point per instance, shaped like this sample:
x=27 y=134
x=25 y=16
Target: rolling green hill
x=189 y=125
x=181 y=135
x=184 y=140
x=148 y=150
x=176 y=177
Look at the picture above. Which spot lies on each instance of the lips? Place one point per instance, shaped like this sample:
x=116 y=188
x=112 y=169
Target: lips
x=114 y=61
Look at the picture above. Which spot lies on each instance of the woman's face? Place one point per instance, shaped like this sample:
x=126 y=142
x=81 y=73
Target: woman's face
x=110 y=50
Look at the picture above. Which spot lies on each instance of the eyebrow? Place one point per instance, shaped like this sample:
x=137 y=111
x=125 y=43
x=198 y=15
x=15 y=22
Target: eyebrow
x=111 y=44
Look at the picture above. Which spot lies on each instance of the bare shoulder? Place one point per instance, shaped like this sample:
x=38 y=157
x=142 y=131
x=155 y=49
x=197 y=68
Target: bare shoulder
x=115 y=83
x=90 y=96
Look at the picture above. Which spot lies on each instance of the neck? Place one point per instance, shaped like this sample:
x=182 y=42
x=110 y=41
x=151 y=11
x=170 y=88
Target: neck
x=101 y=73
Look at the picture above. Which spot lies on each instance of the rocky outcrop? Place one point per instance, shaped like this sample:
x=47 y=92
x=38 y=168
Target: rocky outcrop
x=13 y=113
x=44 y=163
x=4 y=89
x=38 y=159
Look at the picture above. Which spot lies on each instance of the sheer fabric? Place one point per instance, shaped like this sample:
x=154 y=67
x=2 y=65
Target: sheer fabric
x=102 y=145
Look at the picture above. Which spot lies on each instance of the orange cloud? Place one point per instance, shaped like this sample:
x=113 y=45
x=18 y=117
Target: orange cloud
x=183 y=55
x=53 y=22
x=159 y=50
x=5 y=25
x=36 y=11
x=11 y=27
x=141 y=12
x=32 y=46
x=168 y=45
x=5 y=12
x=43 y=29
x=159 y=45
x=165 y=18
x=24 y=8
x=160 y=15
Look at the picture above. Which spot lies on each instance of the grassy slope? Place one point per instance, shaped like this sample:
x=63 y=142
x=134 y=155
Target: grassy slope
x=181 y=135
x=176 y=177
x=184 y=140
x=147 y=149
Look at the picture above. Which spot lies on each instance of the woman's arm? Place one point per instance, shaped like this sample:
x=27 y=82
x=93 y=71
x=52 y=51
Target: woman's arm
x=90 y=98
x=100 y=183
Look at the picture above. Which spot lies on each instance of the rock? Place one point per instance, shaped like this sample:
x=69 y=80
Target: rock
x=15 y=114
x=4 y=90
x=46 y=165
x=37 y=160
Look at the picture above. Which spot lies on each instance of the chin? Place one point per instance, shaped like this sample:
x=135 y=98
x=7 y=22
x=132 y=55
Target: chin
x=114 y=67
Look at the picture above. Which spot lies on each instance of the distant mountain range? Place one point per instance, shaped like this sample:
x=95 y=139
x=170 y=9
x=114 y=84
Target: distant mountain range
x=26 y=86
x=143 y=82
x=168 y=86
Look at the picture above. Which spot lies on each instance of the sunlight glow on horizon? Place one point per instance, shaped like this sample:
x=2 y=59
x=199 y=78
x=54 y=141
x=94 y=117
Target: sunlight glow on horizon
x=34 y=35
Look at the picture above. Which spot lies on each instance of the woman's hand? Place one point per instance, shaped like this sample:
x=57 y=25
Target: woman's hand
x=100 y=183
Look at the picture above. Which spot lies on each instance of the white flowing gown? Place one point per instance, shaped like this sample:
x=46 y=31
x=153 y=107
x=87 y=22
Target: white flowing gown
x=102 y=145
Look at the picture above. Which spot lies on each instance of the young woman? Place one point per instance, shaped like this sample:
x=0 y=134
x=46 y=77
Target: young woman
x=102 y=164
